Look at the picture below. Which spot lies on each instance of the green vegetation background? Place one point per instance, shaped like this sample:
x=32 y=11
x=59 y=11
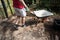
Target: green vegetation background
x=2 y=14
x=42 y=3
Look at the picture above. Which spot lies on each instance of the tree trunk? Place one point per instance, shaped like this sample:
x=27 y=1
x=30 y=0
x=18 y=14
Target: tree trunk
x=9 y=6
x=2 y=1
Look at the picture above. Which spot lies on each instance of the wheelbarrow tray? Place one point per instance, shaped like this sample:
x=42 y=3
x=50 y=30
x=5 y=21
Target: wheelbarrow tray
x=42 y=13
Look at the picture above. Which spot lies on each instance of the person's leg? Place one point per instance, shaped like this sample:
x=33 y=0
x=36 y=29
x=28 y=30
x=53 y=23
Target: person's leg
x=23 y=20
x=17 y=15
x=23 y=17
x=17 y=20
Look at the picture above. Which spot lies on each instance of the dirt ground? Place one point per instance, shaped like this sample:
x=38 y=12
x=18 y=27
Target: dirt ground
x=34 y=30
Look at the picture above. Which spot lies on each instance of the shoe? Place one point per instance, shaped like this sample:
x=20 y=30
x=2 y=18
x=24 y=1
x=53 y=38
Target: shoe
x=23 y=25
x=16 y=26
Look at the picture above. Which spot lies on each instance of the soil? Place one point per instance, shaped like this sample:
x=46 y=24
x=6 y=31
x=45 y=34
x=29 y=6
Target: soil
x=35 y=30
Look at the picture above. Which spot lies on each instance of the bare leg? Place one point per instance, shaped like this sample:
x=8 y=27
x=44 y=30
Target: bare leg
x=17 y=20
x=14 y=21
x=23 y=20
x=20 y=21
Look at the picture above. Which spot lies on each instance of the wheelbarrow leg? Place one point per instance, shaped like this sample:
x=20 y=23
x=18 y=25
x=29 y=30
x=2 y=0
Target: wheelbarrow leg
x=36 y=22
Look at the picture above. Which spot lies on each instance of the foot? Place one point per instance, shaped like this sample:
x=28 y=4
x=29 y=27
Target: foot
x=16 y=26
x=23 y=25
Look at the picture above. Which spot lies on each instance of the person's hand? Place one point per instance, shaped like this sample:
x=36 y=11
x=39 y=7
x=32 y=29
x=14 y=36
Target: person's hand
x=31 y=12
x=27 y=9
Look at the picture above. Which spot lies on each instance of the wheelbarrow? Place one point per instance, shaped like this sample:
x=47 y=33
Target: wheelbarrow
x=42 y=15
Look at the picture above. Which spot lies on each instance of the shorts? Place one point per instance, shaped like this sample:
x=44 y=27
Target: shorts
x=20 y=12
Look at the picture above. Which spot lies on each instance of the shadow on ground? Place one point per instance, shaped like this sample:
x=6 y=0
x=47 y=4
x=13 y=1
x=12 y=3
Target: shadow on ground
x=6 y=30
